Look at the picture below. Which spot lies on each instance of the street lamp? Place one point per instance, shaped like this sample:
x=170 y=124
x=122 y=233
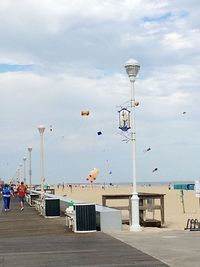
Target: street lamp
x=132 y=67
x=24 y=159
x=18 y=175
x=41 y=129
x=30 y=170
x=20 y=166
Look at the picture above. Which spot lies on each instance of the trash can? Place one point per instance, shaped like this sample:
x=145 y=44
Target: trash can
x=52 y=207
x=85 y=218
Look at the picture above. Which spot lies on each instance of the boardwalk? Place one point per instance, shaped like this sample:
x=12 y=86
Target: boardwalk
x=28 y=239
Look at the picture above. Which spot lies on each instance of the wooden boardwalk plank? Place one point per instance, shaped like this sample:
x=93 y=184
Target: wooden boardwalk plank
x=30 y=240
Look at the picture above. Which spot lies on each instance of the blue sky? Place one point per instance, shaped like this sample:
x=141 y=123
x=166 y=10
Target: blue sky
x=58 y=58
x=14 y=67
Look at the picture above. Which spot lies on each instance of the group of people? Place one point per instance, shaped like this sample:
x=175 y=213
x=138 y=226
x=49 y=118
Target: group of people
x=8 y=192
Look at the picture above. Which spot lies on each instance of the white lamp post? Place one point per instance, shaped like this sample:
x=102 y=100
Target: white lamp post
x=41 y=129
x=20 y=166
x=132 y=67
x=24 y=159
x=18 y=174
x=30 y=169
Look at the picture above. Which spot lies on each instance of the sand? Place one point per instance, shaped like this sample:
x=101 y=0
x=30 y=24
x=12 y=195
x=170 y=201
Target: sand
x=176 y=215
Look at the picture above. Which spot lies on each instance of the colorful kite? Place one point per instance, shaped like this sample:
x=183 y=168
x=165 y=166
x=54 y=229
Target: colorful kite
x=85 y=113
x=92 y=175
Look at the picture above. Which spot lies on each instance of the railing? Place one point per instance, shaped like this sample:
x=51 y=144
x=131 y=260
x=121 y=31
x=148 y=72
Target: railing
x=106 y=218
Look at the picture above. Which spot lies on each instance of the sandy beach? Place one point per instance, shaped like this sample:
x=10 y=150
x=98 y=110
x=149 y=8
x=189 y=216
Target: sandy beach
x=176 y=215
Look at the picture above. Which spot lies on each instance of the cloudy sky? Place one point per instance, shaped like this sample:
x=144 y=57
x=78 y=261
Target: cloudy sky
x=59 y=57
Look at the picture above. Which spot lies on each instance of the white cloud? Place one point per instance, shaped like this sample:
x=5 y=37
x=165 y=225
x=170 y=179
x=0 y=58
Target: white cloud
x=175 y=40
x=78 y=50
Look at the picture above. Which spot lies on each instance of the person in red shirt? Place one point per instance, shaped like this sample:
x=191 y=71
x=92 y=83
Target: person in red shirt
x=21 y=191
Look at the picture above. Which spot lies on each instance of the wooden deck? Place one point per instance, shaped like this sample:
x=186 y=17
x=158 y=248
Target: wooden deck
x=30 y=240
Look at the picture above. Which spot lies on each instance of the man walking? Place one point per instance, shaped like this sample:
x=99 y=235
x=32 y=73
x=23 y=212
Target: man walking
x=21 y=191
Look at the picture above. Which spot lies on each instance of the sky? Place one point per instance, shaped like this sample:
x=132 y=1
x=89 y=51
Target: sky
x=61 y=57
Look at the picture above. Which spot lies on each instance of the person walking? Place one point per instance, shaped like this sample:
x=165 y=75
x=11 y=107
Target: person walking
x=7 y=193
x=21 y=191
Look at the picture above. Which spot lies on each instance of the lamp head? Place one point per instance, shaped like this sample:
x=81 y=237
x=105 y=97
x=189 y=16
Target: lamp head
x=41 y=129
x=30 y=148
x=24 y=158
x=132 y=67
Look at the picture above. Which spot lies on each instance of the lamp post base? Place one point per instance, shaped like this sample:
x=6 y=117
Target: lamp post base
x=135 y=228
x=135 y=225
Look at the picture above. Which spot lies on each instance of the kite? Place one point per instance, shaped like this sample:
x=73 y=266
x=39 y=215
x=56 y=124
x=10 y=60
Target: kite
x=99 y=133
x=155 y=170
x=85 y=113
x=184 y=112
x=51 y=129
x=148 y=149
x=136 y=103
x=92 y=175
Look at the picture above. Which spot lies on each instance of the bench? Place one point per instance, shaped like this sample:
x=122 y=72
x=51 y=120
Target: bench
x=39 y=205
x=70 y=216
x=147 y=203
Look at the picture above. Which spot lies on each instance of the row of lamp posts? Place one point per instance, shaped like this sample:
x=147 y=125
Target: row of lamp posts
x=30 y=171
x=41 y=129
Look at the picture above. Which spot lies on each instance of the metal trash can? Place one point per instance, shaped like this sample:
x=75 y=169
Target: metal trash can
x=52 y=207
x=85 y=218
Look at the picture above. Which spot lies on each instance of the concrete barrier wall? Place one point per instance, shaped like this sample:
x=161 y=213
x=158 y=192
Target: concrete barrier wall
x=108 y=219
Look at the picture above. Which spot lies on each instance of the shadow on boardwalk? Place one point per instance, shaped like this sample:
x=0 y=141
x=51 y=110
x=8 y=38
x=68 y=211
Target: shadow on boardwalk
x=28 y=239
